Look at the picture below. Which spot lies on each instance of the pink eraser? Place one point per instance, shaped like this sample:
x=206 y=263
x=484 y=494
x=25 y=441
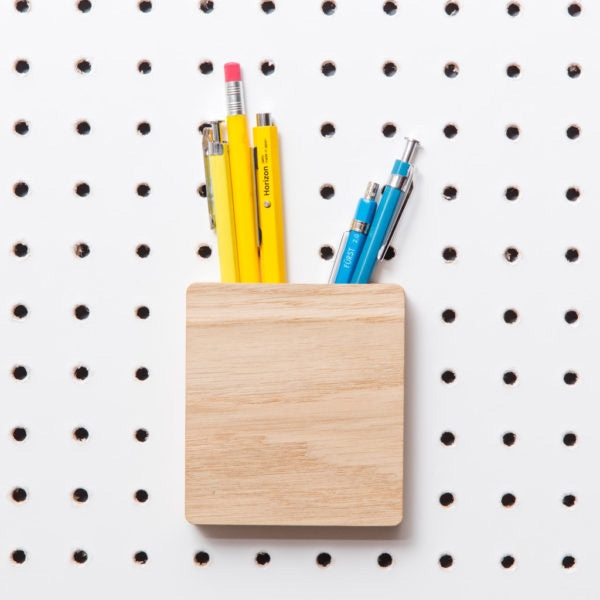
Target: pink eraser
x=233 y=72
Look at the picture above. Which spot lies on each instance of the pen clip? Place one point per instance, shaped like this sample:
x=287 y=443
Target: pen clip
x=407 y=188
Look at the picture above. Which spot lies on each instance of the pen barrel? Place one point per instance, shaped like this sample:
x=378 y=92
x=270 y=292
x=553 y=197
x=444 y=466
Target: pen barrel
x=270 y=204
x=244 y=205
x=352 y=251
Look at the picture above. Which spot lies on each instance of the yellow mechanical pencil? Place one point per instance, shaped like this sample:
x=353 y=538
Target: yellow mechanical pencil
x=242 y=177
x=270 y=209
x=218 y=187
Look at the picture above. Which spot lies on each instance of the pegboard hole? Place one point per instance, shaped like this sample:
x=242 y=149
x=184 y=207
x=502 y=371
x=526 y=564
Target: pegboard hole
x=390 y=8
x=144 y=67
x=327 y=191
x=142 y=312
x=509 y=378
x=573 y=132
x=511 y=193
x=569 y=439
x=141 y=435
x=262 y=558
x=511 y=254
x=384 y=560
x=207 y=6
x=142 y=374
x=19 y=434
x=143 y=251
x=143 y=190
x=390 y=253
x=143 y=128
x=84 y=6
x=81 y=373
x=267 y=67
x=389 y=130
x=569 y=500
x=80 y=495
x=328 y=68
x=202 y=190
x=450 y=192
x=20 y=189
x=571 y=316
x=81 y=250
x=446 y=499
x=389 y=68
x=570 y=377
x=574 y=70
x=508 y=500
x=326 y=252
x=82 y=189
x=140 y=557
x=328 y=7
x=80 y=556
x=19 y=372
x=22 y=6
x=447 y=438
x=450 y=131
x=513 y=9
x=81 y=312
x=451 y=70
x=572 y=194
x=20 y=311
x=324 y=559
x=83 y=66
x=452 y=8
x=507 y=561
x=509 y=438
x=206 y=67
x=145 y=6
x=446 y=561
x=448 y=376
x=141 y=496
x=568 y=562
x=449 y=316
x=81 y=434
x=83 y=127
x=20 y=249
x=510 y=316
x=19 y=556
x=512 y=132
x=449 y=254
x=574 y=9
x=267 y=6
x=572 y=255
x=202 y=558
x=327 y=130
x=204 y=251
x=21 y=127
x=513 y=71
x=19 y=495
x=22 y=66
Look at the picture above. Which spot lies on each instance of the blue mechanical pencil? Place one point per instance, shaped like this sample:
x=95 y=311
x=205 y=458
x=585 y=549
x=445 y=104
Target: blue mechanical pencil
x=391 y=205
x=354 y=239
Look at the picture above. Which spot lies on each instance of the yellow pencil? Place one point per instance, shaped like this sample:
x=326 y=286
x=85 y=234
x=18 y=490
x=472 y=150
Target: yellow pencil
x=242 y=177
x=269 y=200
x=218 y=185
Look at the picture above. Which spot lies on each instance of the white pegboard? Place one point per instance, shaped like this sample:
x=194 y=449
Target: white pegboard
x=478 y=408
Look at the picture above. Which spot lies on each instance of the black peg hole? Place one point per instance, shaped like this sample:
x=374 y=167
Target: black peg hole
x=328 y=68
x=82 y=189
x=327 y=191
x=145 y=6
x=80 y=556
x=508 y=500
x=449 y=316
x=81 y=434
x=142 y=312
x=328 y=7
x=84 y=6
x=20 y=249
x=513 y=9
x=511 y=193
x=81 y=373
x=204 y=251
x=83 y=66
x=451 y=70
x=574 y=70
x=202 y=190
x=80 y=495
x=141 y=557
x=512 y=132
x=450 y=131
x=324 y=559
x=20 y=311
x=574 y=9
x=446 y=499
x=448 y=376
x=19 y=556
x=452 y=8
x=83 y=128
x=143 y=128
x=390 y=253
x=141 y=496
x=446 y=561
x=571 y=316
x=81 y=312
x=19 y=434
x=509 y=378
x=569 y=439
x=202 y=558
x=144 y=67
x=507 y=561
x=267 y=6
x=22 y=66
x=389 y=130
x=206 y=67
x=511 y=254
x=572 y=194
x=21 y=189
x=449 y=254
x=447 y=438
x=450 y=192
x=510 y=316
x=19 y=495
x=570 y=377
x=81 y=250
x=384 y=560
x=143 y=190
x=513 y=71
x=572 y=255
x=19 y=372
x=22 y=6
x=143 y=251
x=327 y=130
x=569 y=500
x=142 y=374
x=141 y=435
x=573 y=132
x=509 y=438
x=389 y=68
x=21 y=127
x=262 y=558
x=568 y=562
x=390 y=8
x=326 y=252
x=267 y=67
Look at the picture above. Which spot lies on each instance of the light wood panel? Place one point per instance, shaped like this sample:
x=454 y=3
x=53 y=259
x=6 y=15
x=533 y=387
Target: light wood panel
x=294 y=404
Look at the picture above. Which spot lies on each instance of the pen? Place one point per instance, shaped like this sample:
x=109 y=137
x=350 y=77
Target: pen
x=218 y=185
x=242 y=177
x=268 y=195
x=391 y=205
x=353 y=240
x=206 y=138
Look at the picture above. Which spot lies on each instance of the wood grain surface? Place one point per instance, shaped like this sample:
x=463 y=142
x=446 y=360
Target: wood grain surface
x=294 y=410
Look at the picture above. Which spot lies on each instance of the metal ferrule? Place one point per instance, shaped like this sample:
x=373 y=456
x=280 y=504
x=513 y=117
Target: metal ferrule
x=214 y=145
x=359 y=226
x=264 y=119
x=234 y=95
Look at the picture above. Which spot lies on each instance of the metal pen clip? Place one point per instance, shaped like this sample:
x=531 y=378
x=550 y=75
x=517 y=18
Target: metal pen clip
x=211 y=144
